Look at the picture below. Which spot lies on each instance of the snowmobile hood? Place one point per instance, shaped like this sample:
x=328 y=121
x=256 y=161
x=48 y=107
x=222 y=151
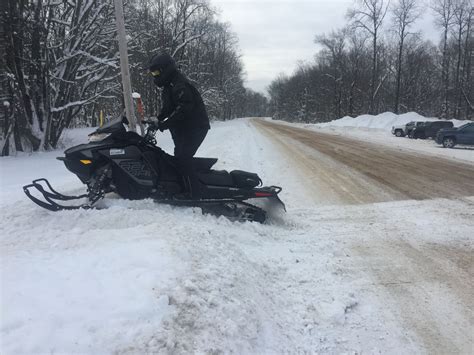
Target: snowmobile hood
x=89 y=146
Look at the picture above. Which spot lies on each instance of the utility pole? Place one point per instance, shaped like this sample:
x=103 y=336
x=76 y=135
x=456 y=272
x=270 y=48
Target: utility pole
x=126 y=84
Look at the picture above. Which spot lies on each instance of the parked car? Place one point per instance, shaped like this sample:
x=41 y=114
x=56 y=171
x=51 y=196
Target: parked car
x=461 y=135
x=410 y=126
x=405 y=129
x=429 y=129
x=398 y=131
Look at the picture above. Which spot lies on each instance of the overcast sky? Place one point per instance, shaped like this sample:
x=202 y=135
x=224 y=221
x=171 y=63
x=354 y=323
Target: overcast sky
x=275 y=34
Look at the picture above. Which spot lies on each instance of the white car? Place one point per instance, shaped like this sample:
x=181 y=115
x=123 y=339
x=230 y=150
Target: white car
x=399 y=131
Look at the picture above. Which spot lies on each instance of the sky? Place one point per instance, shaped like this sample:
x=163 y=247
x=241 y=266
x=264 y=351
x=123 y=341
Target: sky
x=275 y=35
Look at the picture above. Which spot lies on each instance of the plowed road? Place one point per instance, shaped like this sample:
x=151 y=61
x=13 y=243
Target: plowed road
x=344 y=170
x=424 y=277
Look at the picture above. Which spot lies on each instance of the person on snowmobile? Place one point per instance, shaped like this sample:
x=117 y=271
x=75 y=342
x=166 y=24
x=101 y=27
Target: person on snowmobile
x=184 y=114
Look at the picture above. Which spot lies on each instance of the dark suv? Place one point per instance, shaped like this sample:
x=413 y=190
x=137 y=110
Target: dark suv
x=461 y=135
x=429 y=129
x=410 y=126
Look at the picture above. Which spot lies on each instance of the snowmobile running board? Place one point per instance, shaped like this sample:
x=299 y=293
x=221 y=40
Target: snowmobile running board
x=50 y=196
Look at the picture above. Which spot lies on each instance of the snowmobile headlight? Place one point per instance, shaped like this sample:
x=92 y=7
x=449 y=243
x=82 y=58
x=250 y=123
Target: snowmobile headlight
x=98 y=137
x=155 y=73
x=86 y=161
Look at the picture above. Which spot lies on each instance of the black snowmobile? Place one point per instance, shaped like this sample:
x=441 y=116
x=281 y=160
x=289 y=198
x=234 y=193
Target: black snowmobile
x=121 y=161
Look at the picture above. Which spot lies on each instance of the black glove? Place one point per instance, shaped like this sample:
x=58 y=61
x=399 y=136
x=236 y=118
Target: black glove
x=161 y=117
x=161 y=126
x=151 y=122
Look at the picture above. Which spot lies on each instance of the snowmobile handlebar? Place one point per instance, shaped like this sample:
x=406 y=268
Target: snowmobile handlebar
x=150 y=131
x=148 y=121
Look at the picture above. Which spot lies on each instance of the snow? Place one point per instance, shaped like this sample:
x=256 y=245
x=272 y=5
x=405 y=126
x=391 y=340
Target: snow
x=377 y=129
x=383 y=121
x=138 y=277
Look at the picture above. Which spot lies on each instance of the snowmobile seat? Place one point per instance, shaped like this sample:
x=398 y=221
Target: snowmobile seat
x=204 y=164
x=216 y=178
x=245 y=179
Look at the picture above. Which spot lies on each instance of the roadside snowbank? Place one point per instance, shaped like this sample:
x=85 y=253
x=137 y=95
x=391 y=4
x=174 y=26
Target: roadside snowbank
x=377 y=129
x=383 y=121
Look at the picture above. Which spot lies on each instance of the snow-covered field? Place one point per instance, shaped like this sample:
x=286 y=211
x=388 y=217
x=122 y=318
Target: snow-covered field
x=139 y=277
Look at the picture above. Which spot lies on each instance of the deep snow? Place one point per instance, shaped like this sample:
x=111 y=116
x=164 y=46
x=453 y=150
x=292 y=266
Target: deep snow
x=139 y=277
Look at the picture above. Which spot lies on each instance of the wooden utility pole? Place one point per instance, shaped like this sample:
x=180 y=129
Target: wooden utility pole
x=126 y=84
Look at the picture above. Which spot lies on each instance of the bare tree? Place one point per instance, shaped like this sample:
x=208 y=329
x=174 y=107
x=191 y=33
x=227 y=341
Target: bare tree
x=405 y=13
x=468 y=88
x=334 y=44
x=463 y=12
x=369 y=16
x=444 y=9
x=83 y=61
x=356 y=55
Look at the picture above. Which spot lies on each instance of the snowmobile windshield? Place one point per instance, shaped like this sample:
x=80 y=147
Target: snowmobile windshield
x=114 y=126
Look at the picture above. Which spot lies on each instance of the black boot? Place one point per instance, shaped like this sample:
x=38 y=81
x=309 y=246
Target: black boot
x=192 y=189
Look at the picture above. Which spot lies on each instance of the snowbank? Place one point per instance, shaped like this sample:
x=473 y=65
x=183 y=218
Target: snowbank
x=377 y=129
x=383 y=121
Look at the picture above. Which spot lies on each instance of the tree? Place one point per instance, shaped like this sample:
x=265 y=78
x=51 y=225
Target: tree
x=334 y=45
x=444 y=10
x=405 y=13
x=369 y=16
x=462 y=19
x=61 y=63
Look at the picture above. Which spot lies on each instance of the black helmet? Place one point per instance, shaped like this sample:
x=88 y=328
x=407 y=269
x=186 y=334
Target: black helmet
x=162 y=66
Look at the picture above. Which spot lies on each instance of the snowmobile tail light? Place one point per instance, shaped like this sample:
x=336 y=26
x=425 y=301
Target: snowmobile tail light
x=263 y=194
x=86 y=161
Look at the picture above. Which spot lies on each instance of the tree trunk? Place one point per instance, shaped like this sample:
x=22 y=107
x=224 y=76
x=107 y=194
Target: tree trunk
x=458 y=85
x=374 y=75
x=445 y=75
x=399 y=73
x=466 y=81
x=22 y=122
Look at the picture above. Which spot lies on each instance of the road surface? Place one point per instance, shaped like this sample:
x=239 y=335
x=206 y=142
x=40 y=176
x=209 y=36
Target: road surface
x=349 y=171
x=428 y=285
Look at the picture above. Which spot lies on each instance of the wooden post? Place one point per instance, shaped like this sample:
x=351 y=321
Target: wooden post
x=126 y=84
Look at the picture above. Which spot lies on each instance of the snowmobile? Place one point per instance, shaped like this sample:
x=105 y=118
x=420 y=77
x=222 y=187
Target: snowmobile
x=134 y=167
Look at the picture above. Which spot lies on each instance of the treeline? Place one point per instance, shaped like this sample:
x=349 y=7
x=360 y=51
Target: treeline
x=61 y=65
x=378 y=63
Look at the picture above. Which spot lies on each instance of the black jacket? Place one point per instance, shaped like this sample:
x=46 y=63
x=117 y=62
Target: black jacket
x=182 y=105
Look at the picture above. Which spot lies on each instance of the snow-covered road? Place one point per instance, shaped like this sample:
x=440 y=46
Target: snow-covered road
x=327 y=277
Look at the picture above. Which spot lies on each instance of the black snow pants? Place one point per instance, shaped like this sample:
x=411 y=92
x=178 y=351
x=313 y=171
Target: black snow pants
x=186 y=144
